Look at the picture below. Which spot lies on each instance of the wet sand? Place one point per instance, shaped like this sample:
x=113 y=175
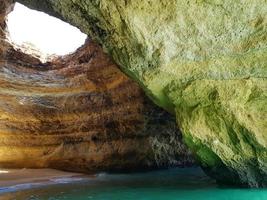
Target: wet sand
x=12 y=177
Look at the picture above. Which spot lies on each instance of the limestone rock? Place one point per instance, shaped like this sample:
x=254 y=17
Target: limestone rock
x=79 y=112
x=204 y=60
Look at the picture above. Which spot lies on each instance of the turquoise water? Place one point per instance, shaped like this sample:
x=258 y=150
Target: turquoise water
x=178 y=184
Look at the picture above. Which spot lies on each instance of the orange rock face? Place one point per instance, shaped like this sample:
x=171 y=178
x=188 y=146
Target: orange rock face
x=79 y=113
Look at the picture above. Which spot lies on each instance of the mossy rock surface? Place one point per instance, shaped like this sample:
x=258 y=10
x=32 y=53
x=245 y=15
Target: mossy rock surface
x=204 y=60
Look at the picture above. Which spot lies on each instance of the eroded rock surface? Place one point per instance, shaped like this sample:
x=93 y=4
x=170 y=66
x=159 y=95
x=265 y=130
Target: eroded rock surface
x=79 y=113
x=204 y=60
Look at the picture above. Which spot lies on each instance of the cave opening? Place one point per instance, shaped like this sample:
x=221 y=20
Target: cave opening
x=40 y=34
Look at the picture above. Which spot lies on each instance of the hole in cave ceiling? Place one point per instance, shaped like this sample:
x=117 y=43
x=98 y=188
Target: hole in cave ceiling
x=41 y=34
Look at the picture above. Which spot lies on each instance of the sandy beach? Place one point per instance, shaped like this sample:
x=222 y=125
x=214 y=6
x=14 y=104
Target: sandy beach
x=12 y=177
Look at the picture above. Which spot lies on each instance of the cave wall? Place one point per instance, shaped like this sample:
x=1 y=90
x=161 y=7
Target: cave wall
x=79 y=112
x=203 y=60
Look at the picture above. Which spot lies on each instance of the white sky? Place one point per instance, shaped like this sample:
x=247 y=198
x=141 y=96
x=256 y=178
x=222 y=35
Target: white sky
x=48 y=34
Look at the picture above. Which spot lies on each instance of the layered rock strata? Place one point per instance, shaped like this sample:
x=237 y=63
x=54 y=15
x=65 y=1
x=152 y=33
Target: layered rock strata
x=80 y=113
x=205 y=61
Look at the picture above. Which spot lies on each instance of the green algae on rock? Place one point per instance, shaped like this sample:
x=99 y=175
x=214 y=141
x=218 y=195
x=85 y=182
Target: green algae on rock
x=203 y=60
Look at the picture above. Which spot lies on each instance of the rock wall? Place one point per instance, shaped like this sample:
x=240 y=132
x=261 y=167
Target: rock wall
x=80 y=113
x=203 y=60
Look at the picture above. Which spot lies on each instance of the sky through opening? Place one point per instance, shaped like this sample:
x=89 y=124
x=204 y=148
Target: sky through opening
x=48 y=34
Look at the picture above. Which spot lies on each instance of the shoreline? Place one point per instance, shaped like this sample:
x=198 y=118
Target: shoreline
x=14 y=178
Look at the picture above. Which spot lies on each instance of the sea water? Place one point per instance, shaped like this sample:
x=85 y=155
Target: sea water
x=171 y=184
